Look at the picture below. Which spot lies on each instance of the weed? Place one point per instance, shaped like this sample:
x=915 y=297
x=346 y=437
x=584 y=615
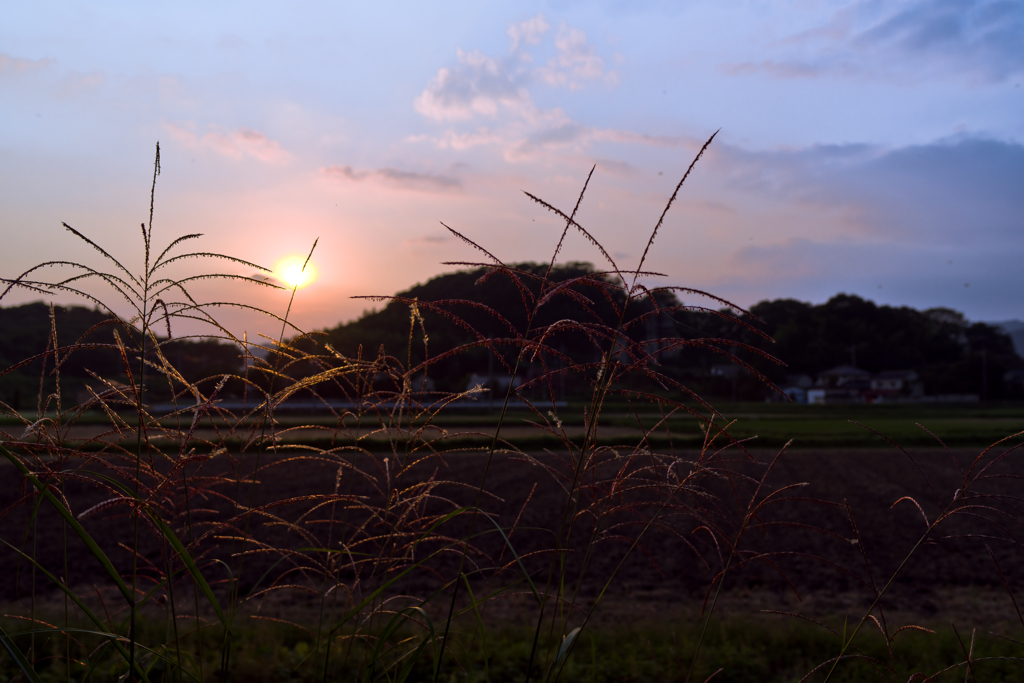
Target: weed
x=172 y=527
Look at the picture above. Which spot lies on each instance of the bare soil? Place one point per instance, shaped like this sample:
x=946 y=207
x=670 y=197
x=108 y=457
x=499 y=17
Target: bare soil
x=824 y=547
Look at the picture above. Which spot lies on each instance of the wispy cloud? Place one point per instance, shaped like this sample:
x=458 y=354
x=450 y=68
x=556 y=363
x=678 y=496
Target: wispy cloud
x=953 y=192
x=427 y=240
x=75 y=84
x=975 y=39
x=980 y=278
x=16 y=65
x=555 y=133
x=393 y=177
x=576 y=63
x=237 y=144
x=789 y=70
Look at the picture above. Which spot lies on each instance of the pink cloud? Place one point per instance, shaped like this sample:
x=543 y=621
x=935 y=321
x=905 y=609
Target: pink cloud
x=78 y=84
x=576 y=62
x=238 y=144
x=528 y=32
x=9 y=64
x=393 y=177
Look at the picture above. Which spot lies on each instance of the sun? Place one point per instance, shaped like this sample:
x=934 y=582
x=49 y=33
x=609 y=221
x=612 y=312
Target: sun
x=289 y=271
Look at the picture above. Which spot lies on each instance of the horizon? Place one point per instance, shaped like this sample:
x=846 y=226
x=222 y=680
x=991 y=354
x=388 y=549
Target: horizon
x=375 y=309
x=875 y=150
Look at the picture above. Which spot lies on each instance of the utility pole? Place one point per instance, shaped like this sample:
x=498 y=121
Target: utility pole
x=984 y=375
x=490 y=376
x=735 y=374
x=561 y=374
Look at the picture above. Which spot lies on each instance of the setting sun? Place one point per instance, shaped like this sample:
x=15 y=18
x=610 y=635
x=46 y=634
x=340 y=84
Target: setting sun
x=289 y=271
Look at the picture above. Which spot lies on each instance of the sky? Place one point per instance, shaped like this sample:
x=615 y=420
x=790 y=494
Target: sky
x=872 y=148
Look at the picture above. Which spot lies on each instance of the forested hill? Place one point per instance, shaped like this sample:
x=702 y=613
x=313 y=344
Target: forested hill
x=948 y=352
x=940 y=344
x=468 y=302
x=25 y=332
x=849 y=330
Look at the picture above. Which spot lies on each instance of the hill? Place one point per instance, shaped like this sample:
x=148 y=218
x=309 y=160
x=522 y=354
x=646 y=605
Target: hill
x=950 y=353
x=469 y=310
x=26 y=333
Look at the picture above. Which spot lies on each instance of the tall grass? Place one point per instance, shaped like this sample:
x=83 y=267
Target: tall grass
x=182 y=527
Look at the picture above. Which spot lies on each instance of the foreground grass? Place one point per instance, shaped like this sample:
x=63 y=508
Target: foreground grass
x=386 y=538
x=739 y=648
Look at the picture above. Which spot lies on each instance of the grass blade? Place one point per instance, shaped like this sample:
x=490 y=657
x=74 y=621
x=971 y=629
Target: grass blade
x=96 y=551
x=19 y=658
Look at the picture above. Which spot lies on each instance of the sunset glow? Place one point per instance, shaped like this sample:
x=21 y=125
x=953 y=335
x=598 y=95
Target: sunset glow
x=870 y=148
x=290 y=272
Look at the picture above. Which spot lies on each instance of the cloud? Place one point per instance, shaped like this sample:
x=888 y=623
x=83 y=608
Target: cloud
x=528 y=32
x=788 y=70
x=951 y=192
x=405 y=180
x=427 y=240
x=548 y=132
x=16 y=65
x=976 y=39
x=487 y=100
x=77 y=84
x=576 y=62
x=616 y=167
x=981 y=38
x=479 y=85
x=984 y=279
x=238 y=144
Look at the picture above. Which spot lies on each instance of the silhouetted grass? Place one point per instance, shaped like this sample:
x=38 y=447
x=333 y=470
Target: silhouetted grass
x=177 y=551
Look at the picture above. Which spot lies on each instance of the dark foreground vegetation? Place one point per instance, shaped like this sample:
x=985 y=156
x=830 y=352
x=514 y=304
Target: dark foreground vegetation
x=769 y=649
x=182 y=536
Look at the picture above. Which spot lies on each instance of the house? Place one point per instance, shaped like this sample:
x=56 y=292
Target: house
x=841 y=384
x=892 y=383
x=727 y=370
x=796 y=394
x=1014 y=379
x=844 y=377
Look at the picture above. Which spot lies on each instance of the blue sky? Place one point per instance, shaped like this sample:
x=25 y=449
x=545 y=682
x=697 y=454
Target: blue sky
x=874 y=148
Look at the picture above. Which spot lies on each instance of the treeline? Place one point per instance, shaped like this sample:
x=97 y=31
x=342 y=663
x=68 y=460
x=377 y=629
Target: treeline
x=950 y=354
x=481 y=313
x=87 y=350
x=467 y=322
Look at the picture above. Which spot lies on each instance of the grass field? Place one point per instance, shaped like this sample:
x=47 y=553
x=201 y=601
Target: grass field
x=769 y=425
